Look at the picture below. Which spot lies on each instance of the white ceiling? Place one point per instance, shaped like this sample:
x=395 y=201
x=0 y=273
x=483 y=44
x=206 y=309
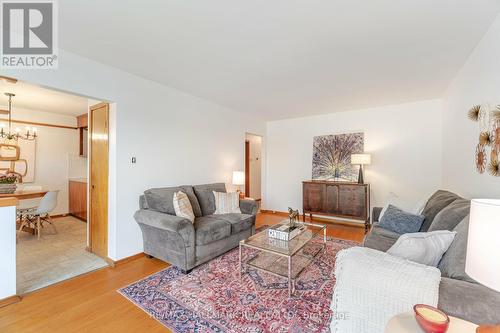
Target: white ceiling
x=284 y=58
x=41 y=99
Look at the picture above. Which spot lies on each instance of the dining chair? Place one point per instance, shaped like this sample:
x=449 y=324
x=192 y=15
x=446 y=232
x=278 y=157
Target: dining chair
x=28 y=203
x=37 y=215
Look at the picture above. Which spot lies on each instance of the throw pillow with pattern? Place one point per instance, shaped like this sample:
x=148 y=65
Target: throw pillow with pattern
x=182 y=206
x=226 y=203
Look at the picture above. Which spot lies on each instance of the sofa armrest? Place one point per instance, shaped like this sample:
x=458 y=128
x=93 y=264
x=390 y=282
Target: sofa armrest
x=376 y=214
x=249 y=206
x=470 y=301
x=174 y=225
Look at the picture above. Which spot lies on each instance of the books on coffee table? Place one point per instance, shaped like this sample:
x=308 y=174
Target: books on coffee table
x=285 y=232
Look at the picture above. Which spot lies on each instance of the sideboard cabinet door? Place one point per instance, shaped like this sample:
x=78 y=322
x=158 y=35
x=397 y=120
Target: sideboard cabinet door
x=313 y=197
x=332 y=199
x=352 y=201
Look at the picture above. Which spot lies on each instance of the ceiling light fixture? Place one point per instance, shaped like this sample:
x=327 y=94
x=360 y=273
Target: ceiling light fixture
x=11 y=137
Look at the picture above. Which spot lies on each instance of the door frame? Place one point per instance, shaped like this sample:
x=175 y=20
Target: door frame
x=90 y=180
x=247 y=168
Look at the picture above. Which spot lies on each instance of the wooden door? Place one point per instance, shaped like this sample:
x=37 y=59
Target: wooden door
x=352 y=201
x=99 y=141
x=313 y=197
x=247 y=168
x=332 y=199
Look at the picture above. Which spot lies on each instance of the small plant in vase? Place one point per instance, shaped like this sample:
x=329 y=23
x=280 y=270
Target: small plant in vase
x=8 y=183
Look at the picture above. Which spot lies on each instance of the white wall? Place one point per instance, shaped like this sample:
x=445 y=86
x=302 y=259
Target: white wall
x=477 y=82
x=56 y=154
x=7 y=252
x=177 y=138
x=255 y=143
x=404 y=140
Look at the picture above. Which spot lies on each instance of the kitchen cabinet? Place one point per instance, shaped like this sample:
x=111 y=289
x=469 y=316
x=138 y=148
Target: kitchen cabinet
x=78 y=198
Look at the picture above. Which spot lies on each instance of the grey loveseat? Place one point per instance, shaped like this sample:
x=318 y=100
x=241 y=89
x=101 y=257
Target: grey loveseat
x=182 y=243
x=459 y=295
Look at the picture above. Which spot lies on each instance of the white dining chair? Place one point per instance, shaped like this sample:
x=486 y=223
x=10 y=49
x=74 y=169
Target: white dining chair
x=37 y=215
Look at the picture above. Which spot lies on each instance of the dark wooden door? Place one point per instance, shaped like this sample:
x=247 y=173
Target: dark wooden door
x=314 y=196
x=332 y=199
x=247 y=168
x=352 y=200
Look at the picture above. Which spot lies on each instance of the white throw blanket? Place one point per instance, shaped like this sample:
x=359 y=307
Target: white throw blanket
x=373 y=286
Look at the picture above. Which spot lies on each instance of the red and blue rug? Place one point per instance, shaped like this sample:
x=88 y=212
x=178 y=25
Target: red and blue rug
x=213 y=297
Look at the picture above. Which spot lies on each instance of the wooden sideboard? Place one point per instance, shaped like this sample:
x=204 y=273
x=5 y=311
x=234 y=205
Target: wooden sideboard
x=338 y=199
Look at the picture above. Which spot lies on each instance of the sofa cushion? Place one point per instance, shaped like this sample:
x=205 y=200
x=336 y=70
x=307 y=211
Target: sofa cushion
x=209 y=229
x=380 y=239
x=206 y=197
x=400 y=221
x=451 y=215
x=239 y=222
x=435 y=204
x=452 y=264
x=162 y=199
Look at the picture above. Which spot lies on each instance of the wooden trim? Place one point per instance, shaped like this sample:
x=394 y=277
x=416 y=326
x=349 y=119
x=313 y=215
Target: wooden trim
x=40 y=124
x=78 y=217
x=113 y=263
x=58 y=216
x=319 y=219
x=247 y=168
x=10 y=300
x=7 y=202
x=3 y=111
x=8 y=79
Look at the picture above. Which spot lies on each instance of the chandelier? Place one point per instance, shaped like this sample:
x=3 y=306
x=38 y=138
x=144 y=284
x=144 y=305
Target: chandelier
x=11 y=137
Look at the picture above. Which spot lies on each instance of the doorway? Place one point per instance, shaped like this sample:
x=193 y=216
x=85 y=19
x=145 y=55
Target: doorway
x=53 y=181
x=253 y=166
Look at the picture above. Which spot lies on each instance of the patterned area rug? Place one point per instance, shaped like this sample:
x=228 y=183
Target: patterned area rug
x=213 y=297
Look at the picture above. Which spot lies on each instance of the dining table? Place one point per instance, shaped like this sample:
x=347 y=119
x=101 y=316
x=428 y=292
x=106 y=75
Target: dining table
x=25 y=194
x=21 y=194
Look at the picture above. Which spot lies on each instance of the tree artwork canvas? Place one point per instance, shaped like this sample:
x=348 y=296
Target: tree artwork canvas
x=332 y=156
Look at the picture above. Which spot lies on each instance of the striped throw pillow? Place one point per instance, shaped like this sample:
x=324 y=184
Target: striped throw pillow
x=226 y=203
x=182 y=206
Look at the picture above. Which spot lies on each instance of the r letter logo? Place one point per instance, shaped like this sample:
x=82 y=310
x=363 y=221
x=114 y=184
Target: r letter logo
x=29 y=34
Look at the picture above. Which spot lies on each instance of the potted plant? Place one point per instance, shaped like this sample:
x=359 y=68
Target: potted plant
x=8 y=183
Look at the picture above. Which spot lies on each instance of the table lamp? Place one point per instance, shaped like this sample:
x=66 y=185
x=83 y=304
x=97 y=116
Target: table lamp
x=483 y=248
x=238 y=180
x=361 y=159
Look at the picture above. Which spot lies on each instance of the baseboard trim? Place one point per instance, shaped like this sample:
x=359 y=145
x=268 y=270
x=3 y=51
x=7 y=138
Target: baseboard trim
x=10 y=300
x=58 y=216
x=319 y=219
x=113 y=263
x=77 y=217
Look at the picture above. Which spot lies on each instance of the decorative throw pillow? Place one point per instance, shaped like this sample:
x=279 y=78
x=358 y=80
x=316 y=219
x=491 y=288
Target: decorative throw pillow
x=399 y=221
x=182 y=206
x=425 y=248
x=226 y=203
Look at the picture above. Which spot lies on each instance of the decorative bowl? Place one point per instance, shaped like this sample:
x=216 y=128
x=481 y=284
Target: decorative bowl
x=430 y=319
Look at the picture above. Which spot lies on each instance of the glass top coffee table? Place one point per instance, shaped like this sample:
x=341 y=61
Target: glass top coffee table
x=284 y=258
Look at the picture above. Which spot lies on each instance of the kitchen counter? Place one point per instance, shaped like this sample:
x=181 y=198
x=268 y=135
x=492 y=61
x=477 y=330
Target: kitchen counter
x=78 y=180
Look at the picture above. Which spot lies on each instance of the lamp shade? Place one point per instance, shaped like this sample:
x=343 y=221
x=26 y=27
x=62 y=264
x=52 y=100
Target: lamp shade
x=238 y=178
x=483 y=247
x=363 y=159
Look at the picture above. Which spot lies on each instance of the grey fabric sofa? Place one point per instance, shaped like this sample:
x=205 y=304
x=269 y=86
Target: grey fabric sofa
x=182 y=243
x=459 y=295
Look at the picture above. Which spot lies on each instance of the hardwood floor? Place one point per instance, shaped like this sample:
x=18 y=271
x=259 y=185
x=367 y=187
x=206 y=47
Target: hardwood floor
x=90 y=303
